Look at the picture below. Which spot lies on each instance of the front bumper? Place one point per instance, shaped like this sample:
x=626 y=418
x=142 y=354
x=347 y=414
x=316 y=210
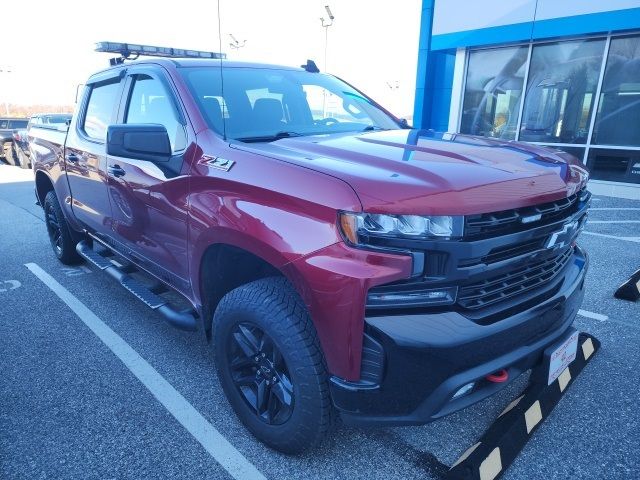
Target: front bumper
x=425 y=358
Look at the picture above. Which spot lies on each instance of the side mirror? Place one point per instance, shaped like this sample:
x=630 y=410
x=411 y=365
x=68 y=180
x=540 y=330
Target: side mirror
x=404 y=124
x=139 y=141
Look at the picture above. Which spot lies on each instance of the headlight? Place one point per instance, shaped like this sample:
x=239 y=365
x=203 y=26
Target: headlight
x=354 y=226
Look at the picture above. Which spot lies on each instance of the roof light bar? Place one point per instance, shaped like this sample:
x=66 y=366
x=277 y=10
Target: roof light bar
x=127 y=50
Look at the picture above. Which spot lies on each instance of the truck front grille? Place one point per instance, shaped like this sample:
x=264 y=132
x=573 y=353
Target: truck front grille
x=516 y=282
x=510 y=221
x=499 y=268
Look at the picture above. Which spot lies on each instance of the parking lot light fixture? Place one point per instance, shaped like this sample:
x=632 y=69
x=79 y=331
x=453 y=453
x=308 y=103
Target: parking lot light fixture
x=235 y=43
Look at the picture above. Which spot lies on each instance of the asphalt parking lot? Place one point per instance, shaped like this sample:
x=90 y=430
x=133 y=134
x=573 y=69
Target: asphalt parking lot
x=70 y=408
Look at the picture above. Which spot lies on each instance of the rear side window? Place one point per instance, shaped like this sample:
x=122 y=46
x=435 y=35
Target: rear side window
x=100 y=108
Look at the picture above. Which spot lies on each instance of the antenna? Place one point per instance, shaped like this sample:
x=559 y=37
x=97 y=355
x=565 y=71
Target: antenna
x=326 y=24
x=223 y=105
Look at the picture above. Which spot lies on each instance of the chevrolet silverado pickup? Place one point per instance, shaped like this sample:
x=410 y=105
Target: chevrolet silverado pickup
x=340 y=264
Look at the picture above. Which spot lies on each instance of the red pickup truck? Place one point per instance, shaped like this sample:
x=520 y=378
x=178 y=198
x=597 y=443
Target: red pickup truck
x=339 y=263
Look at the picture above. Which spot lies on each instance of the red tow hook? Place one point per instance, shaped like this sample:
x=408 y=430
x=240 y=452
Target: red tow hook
x=499 y=376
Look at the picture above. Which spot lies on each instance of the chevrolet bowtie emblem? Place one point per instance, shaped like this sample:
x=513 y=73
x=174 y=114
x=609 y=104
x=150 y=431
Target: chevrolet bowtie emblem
x=563 y=237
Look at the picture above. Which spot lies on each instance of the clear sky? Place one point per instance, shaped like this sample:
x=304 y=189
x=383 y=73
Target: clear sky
x=373 y=44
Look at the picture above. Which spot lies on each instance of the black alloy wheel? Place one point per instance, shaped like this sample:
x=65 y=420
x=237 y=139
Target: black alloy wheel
x=54 y=229
x=260 y=374
x=270 y=365
x=62 y=240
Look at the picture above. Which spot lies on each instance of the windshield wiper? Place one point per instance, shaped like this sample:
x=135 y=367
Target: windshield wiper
x=270 y=138
x=370 y=128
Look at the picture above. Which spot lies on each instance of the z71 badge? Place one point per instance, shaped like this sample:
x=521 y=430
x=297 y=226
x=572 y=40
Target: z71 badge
x=217 y=162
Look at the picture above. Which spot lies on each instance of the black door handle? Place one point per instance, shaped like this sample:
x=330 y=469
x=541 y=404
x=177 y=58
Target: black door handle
x=116 y=171
x=72 y=157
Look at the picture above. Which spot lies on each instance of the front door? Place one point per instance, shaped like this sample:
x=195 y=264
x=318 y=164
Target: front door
x=149 y=198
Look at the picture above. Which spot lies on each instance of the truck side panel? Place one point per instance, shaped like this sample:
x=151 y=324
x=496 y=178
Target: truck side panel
x=278 y=218
x=46 y=146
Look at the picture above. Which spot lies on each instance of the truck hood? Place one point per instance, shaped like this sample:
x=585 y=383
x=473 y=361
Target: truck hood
x=422 y=172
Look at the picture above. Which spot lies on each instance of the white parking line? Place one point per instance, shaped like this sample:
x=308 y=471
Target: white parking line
x=626 y=239
x=614 y=208
x=213 y=442
x=594 y=316
x=612 y=221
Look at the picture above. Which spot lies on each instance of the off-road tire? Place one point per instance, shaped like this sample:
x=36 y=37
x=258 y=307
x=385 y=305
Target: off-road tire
x=273 y=306
x=62 y=241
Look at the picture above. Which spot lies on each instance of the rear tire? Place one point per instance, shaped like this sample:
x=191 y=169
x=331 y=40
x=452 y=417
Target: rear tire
x=62 y=241
x=23 y=159
x=10 y=154
x=262 y=332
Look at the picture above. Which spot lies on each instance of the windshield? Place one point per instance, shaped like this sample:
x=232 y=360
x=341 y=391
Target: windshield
x=266 y=104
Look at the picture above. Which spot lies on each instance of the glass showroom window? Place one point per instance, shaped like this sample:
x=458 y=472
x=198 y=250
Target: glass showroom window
x=493 y=90
x=561 y=87
x=577 y=152
x=614 y=165
x=618 y=118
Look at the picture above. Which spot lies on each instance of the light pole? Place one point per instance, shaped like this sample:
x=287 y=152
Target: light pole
x=235 y=43
x=326 y=24
x=7 y=71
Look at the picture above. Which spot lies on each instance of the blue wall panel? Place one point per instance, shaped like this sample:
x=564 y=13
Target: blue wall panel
x=600 y=22
x=434 y=78
x=585 y=24
x=484 y=36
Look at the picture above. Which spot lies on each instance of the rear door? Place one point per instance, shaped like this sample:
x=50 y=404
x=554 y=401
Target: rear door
x=85 y=153
x=149 y=198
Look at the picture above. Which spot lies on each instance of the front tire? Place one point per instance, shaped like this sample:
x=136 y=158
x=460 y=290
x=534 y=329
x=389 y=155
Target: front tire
x=271 y=367
x=62 y=241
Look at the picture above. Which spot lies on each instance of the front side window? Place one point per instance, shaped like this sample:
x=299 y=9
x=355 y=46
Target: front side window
x=561 y=89
x=150 y=103
x=99 y=114
x=261 y=103
x=493 y=92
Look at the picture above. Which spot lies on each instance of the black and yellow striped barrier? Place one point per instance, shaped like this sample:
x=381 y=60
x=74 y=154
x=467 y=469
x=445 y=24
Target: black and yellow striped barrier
x=499 y=446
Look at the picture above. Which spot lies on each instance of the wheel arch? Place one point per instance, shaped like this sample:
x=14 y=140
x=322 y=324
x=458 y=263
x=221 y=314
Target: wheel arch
x=44 y=185
x=225 y=266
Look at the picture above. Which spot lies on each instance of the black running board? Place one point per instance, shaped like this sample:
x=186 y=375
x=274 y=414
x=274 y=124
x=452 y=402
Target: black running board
x=182 y=320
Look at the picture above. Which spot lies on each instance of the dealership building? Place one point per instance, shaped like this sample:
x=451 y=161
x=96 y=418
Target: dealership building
x=560 y=73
